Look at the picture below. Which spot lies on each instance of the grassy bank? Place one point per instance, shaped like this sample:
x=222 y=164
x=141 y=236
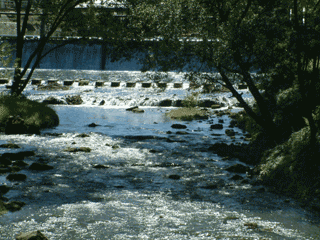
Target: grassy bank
x=34 y=114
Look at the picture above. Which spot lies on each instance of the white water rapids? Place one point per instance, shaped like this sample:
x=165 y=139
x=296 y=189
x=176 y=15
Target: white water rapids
x=159 y=181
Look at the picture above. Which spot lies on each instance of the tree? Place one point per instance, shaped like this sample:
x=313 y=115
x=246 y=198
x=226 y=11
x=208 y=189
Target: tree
x=236 y=37
x=60 y=17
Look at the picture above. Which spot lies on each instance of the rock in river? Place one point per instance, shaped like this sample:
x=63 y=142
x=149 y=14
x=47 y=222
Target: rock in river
x=178 y=126
x=238 y=168
x=37 y=235
x=80 y=149
x=16 y=177
x=40 y=167
x=216 y=126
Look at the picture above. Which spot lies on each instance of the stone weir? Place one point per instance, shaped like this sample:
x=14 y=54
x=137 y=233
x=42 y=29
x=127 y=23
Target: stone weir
x=99 y=83
x=117 y=84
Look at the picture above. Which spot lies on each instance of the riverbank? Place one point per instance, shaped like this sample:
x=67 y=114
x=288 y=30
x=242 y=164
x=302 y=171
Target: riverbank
x=290 y=169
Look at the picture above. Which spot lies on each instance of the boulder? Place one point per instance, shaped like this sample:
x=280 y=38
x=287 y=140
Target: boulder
x=82 y=135
x=102 y=102
x=165 y=103
x=93 y=125
x=40 y=167
x=52 y=100
x=80 y=149
x=19 y=163
x=230 y=132
x=37 y=235
x=74 y=100
x=14 y=206
x=83 y=83
x=9 y=145
x=4 y=189
x=16 y=177
x=236 y=177
x=5 y=161
x=100 y=166
x=238 y=168
x=17 y=156
x=5 y=169
x=174 y=177
x=131 y=108
x=178 y=126
x=52 y=87
x=216 y=126
x=16 y=125
x=137 y=110
x=207 y=103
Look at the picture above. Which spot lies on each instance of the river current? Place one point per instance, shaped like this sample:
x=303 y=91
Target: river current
x=157 y=182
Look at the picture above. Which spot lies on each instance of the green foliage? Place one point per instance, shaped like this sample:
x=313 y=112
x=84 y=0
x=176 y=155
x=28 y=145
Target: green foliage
x=5 y=58
x=236 y=37
x=288 y=166
x=33 y=113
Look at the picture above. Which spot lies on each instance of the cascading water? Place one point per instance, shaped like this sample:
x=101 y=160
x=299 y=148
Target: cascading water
x=142 y=178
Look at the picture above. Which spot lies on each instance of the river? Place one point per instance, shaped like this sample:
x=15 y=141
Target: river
x=157 y=182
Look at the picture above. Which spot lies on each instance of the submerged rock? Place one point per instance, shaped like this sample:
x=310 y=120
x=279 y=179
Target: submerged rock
x=74 y=100
x=174 y=177
x=9 y=145
x=17 y=125
x=37 y=235
x=52 y=100
x=4 y=189
x=230 y=132
x=236 y=177
x=17 y=156
x=16 y=177
x=14 y=206
x=238 y=168
x=80 y=149
x=100 y=166
x=165 y=103
x=5 y=161
x=19 y=163
x=93 y=125
x=178 y=126
x=131 y=108
x=40 y=167
x=138 y=110
x=216 y=126
x=83 y=135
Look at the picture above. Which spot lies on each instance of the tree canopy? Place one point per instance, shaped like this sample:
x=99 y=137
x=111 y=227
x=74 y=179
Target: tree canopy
x=235 y=38
x=53 y=18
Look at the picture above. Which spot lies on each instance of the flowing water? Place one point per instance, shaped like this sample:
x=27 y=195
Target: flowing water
x=158 y=182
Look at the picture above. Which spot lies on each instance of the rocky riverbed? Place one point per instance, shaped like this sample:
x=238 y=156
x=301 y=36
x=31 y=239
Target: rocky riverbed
x=108 y=173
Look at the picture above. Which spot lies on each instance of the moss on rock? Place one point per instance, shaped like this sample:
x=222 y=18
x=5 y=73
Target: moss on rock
x=188 y=114
x=34 y=114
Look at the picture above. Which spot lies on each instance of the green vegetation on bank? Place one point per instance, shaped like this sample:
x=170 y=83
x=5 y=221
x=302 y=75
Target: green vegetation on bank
x=34 y=114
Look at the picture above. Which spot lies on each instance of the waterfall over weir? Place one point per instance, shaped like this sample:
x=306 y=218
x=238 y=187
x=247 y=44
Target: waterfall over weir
x=93 y=55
